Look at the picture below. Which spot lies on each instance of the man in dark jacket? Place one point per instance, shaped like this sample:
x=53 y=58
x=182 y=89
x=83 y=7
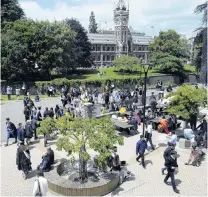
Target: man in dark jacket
x=39 y=115
x=171 y=164
x=141 y=145
x=166 y=155
x=11 y=131
x=50 y=153
x=34 y=126
x=28 y=131
x=45 y=164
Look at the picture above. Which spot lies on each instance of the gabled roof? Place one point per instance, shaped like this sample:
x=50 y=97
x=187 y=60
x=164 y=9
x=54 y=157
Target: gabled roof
x=110 y=39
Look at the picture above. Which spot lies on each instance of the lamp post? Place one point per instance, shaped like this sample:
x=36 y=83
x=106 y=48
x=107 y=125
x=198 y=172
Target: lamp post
x=146 y=65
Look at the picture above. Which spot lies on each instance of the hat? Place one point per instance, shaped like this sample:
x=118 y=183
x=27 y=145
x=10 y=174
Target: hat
x=7 y=118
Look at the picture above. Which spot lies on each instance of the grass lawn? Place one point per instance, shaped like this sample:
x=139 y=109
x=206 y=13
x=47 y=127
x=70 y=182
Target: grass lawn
x=14 y=98
x=109 y=73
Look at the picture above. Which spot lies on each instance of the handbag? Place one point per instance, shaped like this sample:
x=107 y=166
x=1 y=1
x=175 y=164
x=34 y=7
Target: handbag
x=39 y=190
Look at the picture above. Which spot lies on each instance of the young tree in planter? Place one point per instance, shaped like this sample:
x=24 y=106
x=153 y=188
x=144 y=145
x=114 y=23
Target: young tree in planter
x=45 y=128
x=186 y=102
x=82 y=134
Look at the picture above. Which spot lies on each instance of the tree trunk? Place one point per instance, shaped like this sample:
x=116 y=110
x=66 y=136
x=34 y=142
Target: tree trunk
x=203 y=71
x=82 y=164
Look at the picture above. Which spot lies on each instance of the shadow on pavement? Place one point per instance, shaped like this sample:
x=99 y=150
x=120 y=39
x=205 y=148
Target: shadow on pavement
x=178 y=182
x=148 y=162
x=117 y=191
x=162 y=144
x=32 y=174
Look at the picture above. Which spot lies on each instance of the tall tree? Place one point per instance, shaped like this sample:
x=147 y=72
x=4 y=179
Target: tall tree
x=169 y=51
x=82 y=45
x=26 y=43
x=11 y=10
x=92 y=25
x=201 y=44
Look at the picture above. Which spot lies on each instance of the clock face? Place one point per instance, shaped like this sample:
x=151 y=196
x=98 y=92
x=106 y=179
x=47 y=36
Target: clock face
x=117 y=21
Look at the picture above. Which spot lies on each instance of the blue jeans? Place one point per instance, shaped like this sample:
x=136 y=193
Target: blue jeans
x=10 y=134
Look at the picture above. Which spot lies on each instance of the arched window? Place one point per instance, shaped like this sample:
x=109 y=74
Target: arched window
x=124 y=48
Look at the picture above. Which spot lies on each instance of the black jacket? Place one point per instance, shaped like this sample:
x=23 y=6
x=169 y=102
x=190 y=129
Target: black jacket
x=171 y=163
x=39 y=116
x=51 y=157
x=28 y=131
x=13 y=128
x=46 y=114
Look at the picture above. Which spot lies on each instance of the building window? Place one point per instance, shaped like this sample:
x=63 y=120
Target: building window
x=144 y=48
x=108 y=48
x=103 y=57
x=112 y=57
x=112 y=49
x=98 y=48
x=98 y=58
x=139 y=48
x=108 y=58
x=124 y=48
x=147 y=48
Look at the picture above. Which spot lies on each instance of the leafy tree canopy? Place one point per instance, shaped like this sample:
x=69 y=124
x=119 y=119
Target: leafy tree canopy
x=11 y=11
x=26 y=43
x=186 y=101
x=83 y=134
x=82 y=46
x=127 y=64
x=169 y=50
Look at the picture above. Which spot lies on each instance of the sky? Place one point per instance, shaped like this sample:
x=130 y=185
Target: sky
x=144 y=14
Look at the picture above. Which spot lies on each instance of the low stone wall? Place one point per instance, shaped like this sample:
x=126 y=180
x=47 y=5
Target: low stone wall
x=65 y=187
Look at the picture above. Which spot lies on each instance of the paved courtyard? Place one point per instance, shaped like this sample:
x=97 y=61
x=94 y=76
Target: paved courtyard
x=192 y=181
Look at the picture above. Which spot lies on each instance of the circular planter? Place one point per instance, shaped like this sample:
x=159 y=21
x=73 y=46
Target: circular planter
x=103 y=184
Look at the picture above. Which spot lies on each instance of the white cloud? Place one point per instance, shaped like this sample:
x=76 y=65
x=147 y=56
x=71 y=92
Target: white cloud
x=162 y=14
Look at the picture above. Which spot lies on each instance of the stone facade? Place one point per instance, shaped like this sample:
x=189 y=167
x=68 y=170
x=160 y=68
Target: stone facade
x=108 y=45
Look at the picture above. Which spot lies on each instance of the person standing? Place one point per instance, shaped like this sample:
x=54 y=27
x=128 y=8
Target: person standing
x=9 y=92
x=40 y=185
x=39 y=114
x=20 y=133
x=141 y=146
x=148 y=135
x=23 y=160
x=34 y=126
x=171 y=164
x=46 y=113
x=11 y=131
x=17 y=93
x=28 y=131
x=51 y=113
x=26 y=113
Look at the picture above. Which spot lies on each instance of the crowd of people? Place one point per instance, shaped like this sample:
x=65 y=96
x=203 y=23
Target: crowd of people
x=110 y=100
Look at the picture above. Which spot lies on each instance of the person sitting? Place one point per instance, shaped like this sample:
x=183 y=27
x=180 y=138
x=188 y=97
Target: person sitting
x=169 y=88
x=45 y=165
x=50 y=153
x=188 y=133
x=194 y=155
x=163 y=125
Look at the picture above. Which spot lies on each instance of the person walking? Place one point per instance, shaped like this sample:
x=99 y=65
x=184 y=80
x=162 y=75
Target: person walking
x=23 y=160
x=148 y=135
x=166 y=154
x=40 y=185
x=173 y=139
x=141 y=146
x=11 y=131
x=171 y=164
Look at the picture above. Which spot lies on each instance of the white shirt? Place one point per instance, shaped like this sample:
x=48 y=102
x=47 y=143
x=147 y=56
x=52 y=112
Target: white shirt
x=43 y=186
x=149 y=129
x=173 y=139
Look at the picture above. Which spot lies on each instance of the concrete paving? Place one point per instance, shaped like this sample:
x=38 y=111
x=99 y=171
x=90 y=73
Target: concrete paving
x=192 y=181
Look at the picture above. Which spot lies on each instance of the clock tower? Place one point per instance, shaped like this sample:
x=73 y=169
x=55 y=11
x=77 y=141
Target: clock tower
x=121 y=20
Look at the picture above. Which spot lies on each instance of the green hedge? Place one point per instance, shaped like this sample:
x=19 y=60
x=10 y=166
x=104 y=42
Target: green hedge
x=118 y=81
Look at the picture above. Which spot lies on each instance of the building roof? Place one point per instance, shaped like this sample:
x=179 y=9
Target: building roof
x=104 y=38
